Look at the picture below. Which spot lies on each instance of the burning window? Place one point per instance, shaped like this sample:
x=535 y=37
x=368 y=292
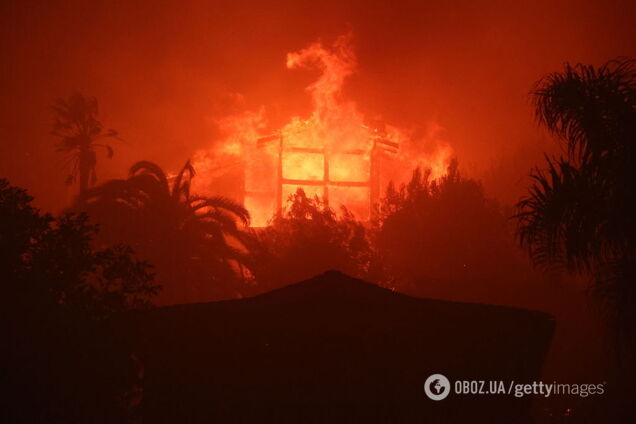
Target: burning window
x=339 y=178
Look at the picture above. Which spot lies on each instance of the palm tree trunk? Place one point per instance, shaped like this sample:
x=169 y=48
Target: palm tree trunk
x=84 y=169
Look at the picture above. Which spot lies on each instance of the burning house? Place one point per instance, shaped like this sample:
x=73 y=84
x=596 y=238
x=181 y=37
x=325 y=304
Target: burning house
x=332 y=154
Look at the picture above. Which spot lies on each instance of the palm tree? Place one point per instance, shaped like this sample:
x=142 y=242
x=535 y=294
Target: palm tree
x=579 y=212
x=79 y=130
x=193 y=240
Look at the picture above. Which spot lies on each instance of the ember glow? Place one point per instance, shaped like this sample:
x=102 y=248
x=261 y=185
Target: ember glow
x=333 y=153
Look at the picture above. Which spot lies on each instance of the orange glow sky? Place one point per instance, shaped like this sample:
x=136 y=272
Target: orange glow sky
x=165 y=72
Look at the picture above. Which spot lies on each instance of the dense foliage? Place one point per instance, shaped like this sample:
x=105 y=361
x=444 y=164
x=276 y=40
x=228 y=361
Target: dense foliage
x=65 y=360
x=306 y=239
x=432 y=234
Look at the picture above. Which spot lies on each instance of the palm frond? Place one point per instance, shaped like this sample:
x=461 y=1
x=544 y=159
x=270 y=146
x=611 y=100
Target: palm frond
x=181 y=187
x=109 y=150
x=585 y=105
x=558 y=220
x=222 y=203
x=151 y=169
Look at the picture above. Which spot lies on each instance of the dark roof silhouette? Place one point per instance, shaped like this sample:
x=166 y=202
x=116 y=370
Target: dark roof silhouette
x=335 y=349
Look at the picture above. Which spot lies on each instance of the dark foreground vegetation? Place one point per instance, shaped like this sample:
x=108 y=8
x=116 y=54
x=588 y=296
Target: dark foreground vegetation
x=579 y=213
x=63 y=360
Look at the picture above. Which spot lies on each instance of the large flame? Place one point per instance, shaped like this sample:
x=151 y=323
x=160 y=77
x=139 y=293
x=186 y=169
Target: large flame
x=332 y=153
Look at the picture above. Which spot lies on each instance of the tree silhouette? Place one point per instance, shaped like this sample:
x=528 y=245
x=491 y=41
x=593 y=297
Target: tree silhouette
x=442 y=237
x=194 y=240
x=304 y=240
x=80 y=132
x=64 y=359
x=579 y=212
